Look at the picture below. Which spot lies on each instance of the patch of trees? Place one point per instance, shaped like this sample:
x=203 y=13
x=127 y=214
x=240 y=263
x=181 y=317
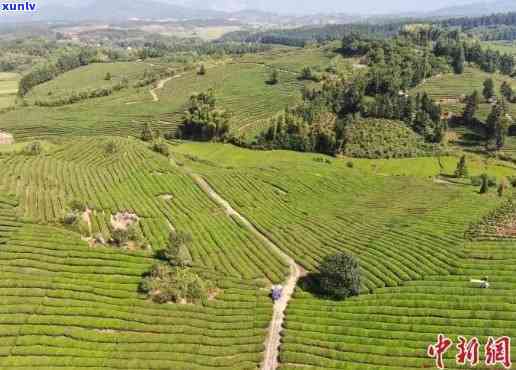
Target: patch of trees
x=465 y=23
x=319 y=123
x=173 y=279
x=487 y=59
x=163 y=47
x=203 y=120
x=153 y=76
x=395 y=64
x=301 y=37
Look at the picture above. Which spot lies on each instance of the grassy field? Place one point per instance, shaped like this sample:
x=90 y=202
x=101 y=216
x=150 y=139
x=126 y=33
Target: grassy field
x=8 y=89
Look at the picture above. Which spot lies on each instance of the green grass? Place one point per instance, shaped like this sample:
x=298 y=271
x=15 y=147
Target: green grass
x=8 y=89
x=87 y=78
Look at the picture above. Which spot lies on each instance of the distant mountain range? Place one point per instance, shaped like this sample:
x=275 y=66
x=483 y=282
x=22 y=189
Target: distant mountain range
x=242 y=10
x=113 y=10
x=476 y=9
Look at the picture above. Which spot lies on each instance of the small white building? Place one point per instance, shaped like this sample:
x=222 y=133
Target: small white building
x=6 y=138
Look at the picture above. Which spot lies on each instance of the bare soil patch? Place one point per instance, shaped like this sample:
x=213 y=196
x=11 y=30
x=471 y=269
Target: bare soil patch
x=123 y=220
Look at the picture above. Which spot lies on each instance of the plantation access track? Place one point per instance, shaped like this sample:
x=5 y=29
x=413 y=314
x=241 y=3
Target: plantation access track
x=273 y=340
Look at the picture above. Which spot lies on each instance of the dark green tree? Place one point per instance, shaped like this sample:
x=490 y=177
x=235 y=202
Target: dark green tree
x=34 y=148
x=340 y=276
x=147 y=133
x=484 y=187
x=498 y=123
x=177 y=251
x=274 y=77
x=459 y=60
x=472 y=103
x=202 y=70
x=203 y=121
x=462 y=168
x=489 y=89
x=507 y=91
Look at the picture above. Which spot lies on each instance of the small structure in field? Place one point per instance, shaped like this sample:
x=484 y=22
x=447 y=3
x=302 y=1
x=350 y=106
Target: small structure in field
x=277 y=292
x=123 y=220
x=6 y=139
x=484 y=283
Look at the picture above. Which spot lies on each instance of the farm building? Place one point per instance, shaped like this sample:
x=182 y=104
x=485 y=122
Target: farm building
x=6 y=138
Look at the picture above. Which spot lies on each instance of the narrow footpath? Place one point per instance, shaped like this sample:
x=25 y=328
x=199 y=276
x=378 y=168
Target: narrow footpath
x=273 y=341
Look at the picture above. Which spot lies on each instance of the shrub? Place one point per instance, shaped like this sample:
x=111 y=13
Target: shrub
x=462 y=168
x=339 y=276
x=484 y=187
x=108 y=77
x=273 y=78
x=111 y=147
x=180 y=285
x=120 y=237
x=177 y=252
x=147 y=133
x=77 y=206
x=161 y=148
x=34 y=148
x=70 y=218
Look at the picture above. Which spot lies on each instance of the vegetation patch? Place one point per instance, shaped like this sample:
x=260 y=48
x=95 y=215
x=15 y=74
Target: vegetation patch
x=379 y=138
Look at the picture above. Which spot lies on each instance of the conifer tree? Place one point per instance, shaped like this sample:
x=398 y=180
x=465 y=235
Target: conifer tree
x=462 y=168
x=472 y=103
x=459 y=60
x=489 y=89
x=484 y=188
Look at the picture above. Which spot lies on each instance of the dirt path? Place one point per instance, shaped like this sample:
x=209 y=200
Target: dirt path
x=273 y=341
x=159 y=86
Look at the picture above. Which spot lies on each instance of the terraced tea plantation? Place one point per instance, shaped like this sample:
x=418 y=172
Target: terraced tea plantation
x=8 y=89
x=414 y=257
x=125 y=112
x=74 y=295
x=449 y=89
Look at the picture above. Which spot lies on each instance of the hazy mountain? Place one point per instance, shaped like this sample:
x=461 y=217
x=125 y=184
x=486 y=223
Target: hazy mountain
x=113 y=10
x=477 y=9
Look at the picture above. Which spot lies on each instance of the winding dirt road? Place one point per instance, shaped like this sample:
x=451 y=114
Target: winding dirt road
x=273 y=341
x=159 y=86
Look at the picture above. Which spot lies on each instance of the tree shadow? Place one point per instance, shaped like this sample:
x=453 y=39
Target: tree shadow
x=310 y=284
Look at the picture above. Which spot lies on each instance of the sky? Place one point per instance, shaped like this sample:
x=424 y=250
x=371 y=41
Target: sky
x=311 y=6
